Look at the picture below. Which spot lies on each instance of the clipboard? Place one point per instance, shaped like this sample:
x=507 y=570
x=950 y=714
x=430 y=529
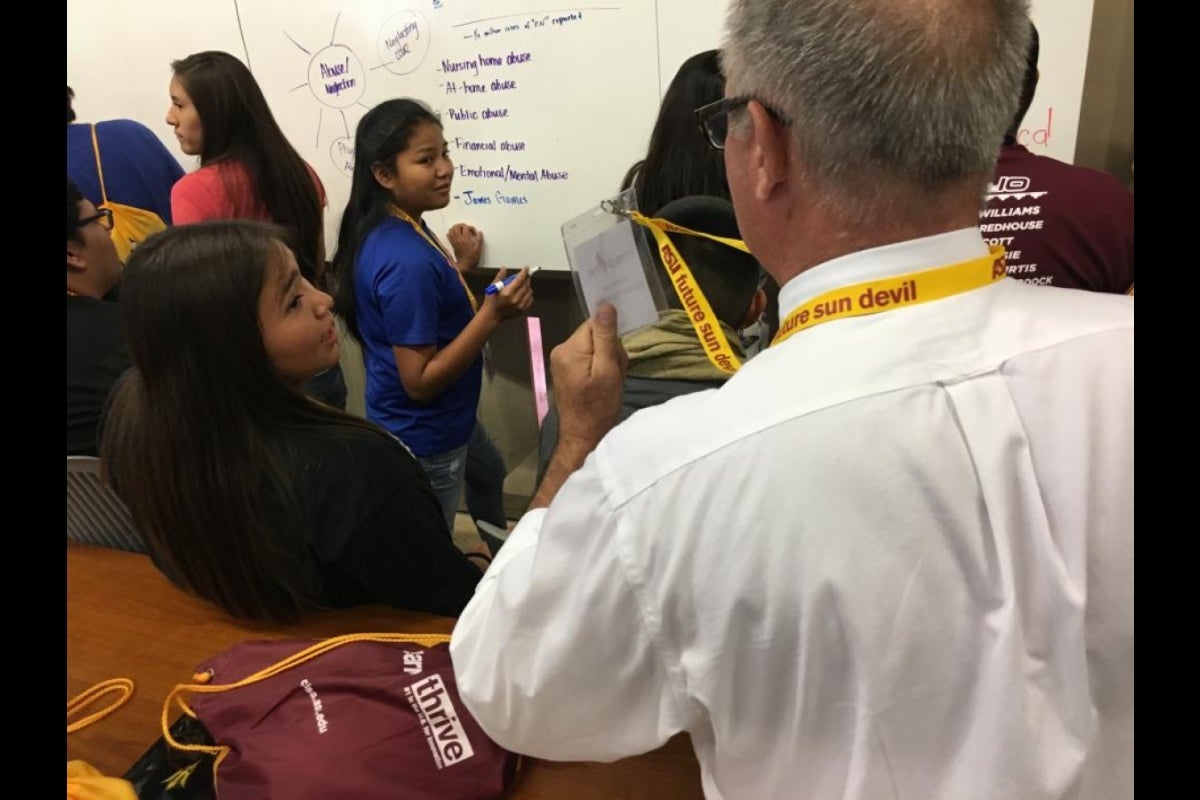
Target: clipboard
x=611 y=262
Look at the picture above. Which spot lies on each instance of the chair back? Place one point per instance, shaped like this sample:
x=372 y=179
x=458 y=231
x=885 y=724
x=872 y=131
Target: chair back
x=95 y=514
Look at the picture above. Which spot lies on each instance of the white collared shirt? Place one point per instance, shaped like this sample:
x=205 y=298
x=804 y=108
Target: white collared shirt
x=892 y=557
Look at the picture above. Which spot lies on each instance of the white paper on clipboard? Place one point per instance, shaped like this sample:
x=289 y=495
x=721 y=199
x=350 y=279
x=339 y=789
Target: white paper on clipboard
x=610 y=263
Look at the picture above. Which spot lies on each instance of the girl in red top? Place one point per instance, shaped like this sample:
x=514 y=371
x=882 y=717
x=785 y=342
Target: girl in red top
x=248 y=169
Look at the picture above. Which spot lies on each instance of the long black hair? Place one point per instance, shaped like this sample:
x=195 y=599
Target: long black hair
x=680 y=162
x=196 y=432
x=382 y=134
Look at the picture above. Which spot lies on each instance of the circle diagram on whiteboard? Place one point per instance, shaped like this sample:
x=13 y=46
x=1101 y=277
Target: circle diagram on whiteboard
x=403 y=42
x=336 y=77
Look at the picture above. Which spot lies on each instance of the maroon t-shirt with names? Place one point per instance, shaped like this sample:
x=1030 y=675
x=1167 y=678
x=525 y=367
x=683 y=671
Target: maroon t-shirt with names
x=1061 y=225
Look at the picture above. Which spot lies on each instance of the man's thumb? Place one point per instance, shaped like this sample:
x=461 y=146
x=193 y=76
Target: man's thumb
x=604 y=324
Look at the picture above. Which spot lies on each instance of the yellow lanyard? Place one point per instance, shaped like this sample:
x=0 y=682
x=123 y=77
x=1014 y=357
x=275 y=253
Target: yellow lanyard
x=885 y=294
x=99 y=169
x=399 y=213
x=691 y=298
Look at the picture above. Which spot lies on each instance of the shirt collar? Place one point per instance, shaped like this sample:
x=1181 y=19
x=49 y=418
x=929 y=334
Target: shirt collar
x=887 y=261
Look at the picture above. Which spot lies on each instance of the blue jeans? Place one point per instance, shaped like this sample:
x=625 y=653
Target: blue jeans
x=445 y=472
x=478 y=467
x=485 y=476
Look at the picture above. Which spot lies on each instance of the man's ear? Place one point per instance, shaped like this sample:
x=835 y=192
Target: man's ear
x=76 y=256
x=769 y=148
x=758 y=304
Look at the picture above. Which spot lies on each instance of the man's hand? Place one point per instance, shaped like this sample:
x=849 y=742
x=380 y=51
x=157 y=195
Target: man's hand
x=467 y=243
x=588 y=371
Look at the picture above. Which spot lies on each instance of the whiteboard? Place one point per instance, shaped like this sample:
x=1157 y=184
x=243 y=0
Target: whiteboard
x=545 y=103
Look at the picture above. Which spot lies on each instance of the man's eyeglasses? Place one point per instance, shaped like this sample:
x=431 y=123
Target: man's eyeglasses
x=104 y=216
x=713 y=118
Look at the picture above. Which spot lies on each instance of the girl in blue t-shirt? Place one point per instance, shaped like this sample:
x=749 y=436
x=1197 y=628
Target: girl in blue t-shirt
x=403 y=297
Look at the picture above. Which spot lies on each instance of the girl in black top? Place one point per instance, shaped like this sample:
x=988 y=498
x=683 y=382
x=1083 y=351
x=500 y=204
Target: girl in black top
x=250 y=494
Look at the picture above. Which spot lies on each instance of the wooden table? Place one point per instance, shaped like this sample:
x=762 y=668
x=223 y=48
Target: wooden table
x=125 y=620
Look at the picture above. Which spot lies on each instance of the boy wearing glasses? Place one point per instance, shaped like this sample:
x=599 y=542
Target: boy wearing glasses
x=96 y=354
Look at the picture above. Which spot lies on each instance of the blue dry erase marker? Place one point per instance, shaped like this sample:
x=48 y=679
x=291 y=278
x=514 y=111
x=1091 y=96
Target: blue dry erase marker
x=496 y=286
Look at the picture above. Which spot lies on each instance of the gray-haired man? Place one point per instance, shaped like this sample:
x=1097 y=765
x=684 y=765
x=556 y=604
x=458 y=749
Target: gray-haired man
x=930 y=594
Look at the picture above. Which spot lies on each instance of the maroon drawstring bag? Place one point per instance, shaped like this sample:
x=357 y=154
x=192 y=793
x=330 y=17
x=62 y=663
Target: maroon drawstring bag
x=361 y=716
